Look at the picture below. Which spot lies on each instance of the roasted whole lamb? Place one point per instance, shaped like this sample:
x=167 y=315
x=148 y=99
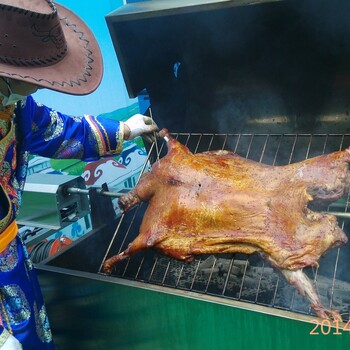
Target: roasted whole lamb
x=218 y=202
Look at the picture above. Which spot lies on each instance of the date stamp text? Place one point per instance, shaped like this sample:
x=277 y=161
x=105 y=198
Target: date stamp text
x=326 y=327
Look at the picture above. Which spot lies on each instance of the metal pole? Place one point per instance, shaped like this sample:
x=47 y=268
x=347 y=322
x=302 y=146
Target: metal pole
x=99 y=191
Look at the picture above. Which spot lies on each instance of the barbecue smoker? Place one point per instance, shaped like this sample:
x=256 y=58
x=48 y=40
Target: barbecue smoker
x=269 y=80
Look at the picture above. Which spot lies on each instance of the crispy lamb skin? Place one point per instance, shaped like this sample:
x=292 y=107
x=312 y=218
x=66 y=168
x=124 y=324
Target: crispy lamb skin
x=218 y=202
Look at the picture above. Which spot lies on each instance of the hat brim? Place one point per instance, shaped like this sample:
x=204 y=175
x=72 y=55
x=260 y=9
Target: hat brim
x=78 y=73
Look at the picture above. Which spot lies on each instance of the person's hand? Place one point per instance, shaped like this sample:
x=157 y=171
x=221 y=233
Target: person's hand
x=11 y=343
x=139 y=125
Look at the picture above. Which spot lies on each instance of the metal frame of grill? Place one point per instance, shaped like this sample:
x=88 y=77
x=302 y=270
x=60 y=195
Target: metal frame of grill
x=236 y=277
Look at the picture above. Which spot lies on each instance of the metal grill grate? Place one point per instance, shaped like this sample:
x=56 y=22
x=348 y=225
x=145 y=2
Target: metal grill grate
x=237 y=276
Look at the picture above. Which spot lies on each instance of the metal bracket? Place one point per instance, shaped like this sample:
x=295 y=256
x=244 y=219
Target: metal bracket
x=102 y=209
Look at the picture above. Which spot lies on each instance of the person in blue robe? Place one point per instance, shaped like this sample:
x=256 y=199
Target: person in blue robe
x=43 y=45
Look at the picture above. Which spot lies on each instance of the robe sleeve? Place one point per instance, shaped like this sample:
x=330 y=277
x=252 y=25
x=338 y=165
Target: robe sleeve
x=52 y=134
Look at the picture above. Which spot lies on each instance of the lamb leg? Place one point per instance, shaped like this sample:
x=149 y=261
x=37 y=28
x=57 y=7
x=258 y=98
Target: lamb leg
x=141 y=193
x=136 y=246
x=304 y=286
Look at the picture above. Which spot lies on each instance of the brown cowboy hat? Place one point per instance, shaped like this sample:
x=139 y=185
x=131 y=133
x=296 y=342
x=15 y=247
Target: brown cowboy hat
x=49 y=46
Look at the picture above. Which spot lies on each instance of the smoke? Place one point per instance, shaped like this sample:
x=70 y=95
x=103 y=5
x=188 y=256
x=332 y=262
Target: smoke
x=264 y=61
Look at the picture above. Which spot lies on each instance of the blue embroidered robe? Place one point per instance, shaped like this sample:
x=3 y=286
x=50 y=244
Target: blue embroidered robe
x=37 y=129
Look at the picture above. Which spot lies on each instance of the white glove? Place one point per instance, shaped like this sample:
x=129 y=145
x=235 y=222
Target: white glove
x=11 y=343
x=139 y=124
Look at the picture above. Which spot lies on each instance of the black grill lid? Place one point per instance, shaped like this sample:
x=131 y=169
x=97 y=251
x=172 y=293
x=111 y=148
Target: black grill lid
x=230 y=61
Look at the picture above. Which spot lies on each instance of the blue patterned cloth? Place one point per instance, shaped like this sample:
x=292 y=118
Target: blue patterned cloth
x=37 y=129
x=22 y=309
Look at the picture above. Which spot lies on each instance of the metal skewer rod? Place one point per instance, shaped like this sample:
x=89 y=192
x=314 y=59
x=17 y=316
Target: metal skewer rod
x=99 y=191
x=338 y=214
x=118 y=194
